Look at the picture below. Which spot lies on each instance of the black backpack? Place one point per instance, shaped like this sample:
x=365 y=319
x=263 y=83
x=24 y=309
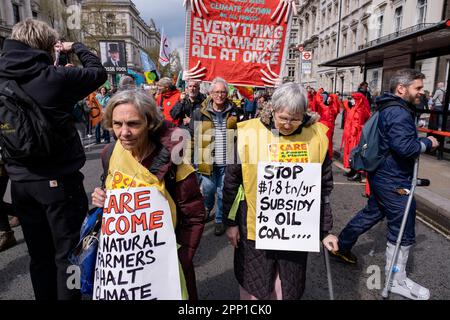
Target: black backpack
x=367 y=155
x=26 y=135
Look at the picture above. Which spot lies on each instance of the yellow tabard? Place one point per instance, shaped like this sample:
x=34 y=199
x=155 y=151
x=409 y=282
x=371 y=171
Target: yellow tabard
x=124 y=172
x=257 y=144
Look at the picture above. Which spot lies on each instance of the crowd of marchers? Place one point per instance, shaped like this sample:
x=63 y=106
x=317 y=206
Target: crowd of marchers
x=137 y=124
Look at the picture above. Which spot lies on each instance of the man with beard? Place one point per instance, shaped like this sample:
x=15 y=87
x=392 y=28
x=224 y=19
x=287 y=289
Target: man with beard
x=390 y=183
x=191 y=101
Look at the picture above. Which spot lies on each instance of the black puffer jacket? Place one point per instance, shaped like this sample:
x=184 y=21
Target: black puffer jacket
x=56 y=90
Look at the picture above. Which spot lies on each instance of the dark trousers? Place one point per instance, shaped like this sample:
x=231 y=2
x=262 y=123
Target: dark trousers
x=51 y=218
x=384 y=201
x=102 y=133
x=5 y=208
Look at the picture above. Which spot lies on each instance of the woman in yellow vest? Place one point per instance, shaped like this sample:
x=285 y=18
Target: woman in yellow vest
x=273 y=274
x=141 y=157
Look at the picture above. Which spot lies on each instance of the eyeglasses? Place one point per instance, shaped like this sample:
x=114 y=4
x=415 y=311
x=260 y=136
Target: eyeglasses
x=221 y=93
x=294 y=122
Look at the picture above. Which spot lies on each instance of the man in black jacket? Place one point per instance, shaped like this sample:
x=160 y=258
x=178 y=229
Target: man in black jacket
x=191 y=101
x=49 y=195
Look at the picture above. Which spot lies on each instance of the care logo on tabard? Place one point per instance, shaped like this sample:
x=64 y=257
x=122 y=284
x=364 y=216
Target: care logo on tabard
x=123 y=181
x=296 y=152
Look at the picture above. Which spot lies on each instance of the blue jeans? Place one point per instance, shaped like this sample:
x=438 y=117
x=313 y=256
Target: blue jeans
x=383 y=202
x=210 y=186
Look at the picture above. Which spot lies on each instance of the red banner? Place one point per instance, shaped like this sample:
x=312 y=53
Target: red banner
x=240 y=41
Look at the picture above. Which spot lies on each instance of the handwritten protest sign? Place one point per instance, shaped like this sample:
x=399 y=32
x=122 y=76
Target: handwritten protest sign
x=288 y=206
x=236 y=40
x=137 y=254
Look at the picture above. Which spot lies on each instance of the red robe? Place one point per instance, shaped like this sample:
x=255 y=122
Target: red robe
x=355 y=118
x=328 y=115
x=312 y=101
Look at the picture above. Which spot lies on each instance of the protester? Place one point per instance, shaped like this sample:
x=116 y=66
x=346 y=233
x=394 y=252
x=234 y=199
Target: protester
x=185 y=108
x=391 y=182
x=438 y=106
x=261 y=102
x=249 y=108
x=80 y=115
x=364 y=89
x=167 y=97
x=127 y=83
x=48 y=195
x=236 y=98
x=210 y=124
x=145 y=141
x=357 y=113
x=267 y=274
x=422 y=105
x=102 y=133
x=327 y=106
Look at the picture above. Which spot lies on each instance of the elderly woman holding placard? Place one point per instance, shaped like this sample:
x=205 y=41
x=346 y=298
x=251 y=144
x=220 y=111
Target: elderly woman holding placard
x=269 y=202
x=143 y=157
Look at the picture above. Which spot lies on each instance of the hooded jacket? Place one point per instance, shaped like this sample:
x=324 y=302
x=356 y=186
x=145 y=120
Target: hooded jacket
x=400 y=140
x=56 y=90
x=166 y=101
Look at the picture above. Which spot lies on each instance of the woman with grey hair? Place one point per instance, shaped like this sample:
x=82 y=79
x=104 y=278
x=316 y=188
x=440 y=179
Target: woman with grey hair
x=143 y=151
x=167 y=97
x=273 y=274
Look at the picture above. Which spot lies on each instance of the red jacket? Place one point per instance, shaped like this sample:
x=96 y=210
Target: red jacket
x=166 y=102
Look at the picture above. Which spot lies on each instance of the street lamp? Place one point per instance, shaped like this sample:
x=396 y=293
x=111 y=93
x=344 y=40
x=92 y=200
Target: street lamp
x=338 y=43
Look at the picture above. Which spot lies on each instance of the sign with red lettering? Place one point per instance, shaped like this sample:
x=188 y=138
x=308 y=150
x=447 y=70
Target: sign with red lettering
x=243 y=42
x=137 y=253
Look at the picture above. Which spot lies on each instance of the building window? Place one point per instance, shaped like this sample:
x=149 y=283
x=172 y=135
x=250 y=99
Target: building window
x=344 y=43
x=379 y=26
x=110 y=24
x=291 y=72
x=398 y=15
x=292 y=54
x=293 y=38
x=353 y=40
x=365 y=35
x=16 y=13
x=421 y=11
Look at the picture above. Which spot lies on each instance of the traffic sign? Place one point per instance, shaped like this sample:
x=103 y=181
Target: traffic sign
x=301 y=48
x=306 y=55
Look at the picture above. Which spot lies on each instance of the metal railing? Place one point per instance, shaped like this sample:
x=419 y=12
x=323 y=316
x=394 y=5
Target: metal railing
x=396 y=35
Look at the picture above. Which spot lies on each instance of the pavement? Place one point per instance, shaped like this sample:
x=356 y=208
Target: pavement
x=433 y=202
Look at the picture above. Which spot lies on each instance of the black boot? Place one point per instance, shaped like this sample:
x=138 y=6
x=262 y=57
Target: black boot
x=350 y=173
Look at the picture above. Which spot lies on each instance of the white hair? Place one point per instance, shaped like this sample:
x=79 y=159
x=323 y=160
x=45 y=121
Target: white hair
x=217 y=81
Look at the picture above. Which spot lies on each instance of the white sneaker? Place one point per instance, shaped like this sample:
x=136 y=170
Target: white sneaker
x=409 y=289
